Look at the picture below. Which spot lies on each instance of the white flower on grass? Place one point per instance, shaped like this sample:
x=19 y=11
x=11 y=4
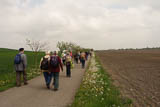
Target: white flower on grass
x=113 y=105
x=101 y=92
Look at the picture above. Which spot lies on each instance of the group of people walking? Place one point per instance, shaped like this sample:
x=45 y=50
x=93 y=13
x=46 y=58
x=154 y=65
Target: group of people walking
x=50 y=64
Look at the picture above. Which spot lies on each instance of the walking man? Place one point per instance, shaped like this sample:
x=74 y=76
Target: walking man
x=44 y=65
x=76 y=57
x=55 y=65
x=20 y=63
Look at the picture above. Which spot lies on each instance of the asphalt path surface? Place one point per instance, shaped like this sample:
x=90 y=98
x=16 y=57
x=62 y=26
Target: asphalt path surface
x=35 y=94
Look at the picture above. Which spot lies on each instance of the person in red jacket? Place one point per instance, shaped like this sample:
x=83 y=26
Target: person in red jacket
x=71 y=54
x=55 y=65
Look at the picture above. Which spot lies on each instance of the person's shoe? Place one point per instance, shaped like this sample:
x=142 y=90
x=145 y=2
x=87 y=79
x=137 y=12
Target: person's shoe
x=48 y=86
x=25 y=83
x=55 y=89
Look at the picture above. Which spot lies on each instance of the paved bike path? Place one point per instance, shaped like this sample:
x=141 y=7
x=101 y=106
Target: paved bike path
x=35 y=94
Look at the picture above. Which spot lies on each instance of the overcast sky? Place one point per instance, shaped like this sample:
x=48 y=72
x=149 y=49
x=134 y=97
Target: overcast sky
x=98 y=24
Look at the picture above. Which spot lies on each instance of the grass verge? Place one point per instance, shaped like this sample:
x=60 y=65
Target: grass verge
x=97 y=89
x=7 y=72
x=9 y=80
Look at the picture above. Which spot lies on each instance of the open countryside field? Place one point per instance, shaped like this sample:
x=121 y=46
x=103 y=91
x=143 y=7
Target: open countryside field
x=7 y=73
x=136 y=73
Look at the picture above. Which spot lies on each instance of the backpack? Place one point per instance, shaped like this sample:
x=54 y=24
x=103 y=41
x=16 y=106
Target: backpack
x=54 y=62
x=44 y=64
x=83 y=56
x=17 y=59
x=68 y=58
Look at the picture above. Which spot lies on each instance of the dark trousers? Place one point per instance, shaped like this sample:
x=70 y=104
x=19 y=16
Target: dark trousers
x=68 y=69
x=18 y=77
x=64 y=61
x=47 y=77
x=83 y=63
x=55 y=79
x=76 y=59
x=80 y=60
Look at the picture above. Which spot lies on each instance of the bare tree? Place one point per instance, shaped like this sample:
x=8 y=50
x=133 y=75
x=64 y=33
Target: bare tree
x=36 y=46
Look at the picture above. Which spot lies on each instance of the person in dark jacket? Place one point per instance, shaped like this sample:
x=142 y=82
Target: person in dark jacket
x=55 y=70
x=21 y=68
x=76 y=57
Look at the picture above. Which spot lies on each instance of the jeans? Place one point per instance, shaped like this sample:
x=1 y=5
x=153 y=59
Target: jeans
x=83 y=63
x=80 y=60
x=55 y=79
x=86 y=57
x=68 y=69
x=48 y=77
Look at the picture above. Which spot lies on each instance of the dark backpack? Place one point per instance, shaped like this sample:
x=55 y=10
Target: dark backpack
x=54 y=62
x=44 y=64
x=17 y=59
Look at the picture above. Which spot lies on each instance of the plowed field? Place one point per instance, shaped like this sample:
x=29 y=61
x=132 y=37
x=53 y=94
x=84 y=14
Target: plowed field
x=136 y=73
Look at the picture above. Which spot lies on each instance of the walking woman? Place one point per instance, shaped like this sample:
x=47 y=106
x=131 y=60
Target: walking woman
x=44 y=65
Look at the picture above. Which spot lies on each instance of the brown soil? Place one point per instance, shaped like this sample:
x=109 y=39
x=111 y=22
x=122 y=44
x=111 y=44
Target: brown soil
x=136 y=73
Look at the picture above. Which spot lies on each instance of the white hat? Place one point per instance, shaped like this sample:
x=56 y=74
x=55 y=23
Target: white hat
x=64 y=51
x=48 y=52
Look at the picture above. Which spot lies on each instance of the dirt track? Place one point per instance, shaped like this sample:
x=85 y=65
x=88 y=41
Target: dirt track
x=36 y=95
x=136 y=73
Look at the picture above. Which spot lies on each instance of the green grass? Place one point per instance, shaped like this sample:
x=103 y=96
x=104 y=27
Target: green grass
x=97 y=90
x=7 y=72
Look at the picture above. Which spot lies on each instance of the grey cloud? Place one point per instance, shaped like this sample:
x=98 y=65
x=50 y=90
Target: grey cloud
x=96 y=24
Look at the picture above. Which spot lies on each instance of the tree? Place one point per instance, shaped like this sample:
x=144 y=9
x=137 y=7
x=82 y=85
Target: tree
x=70 y=46
x=62 y=46
x=66 y=46
x=36 y=46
